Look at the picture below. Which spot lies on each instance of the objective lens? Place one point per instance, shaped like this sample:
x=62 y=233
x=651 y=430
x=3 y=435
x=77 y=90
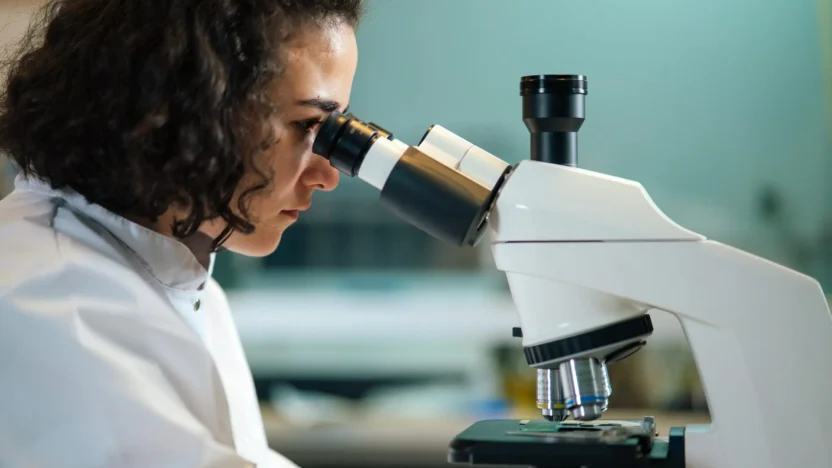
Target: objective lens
x=586 y=388
x=344 y=141
x=550 y=395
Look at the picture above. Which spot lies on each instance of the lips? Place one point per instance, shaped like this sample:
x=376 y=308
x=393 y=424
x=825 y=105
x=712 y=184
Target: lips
x=296 y=212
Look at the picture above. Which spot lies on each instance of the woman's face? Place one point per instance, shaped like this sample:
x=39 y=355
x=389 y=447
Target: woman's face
x=317 y=79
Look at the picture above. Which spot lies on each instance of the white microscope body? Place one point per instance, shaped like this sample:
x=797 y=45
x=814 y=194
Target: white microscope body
x=761 y=334
x=586 y=254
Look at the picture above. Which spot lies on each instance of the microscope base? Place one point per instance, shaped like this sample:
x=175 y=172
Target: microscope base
x=544 y=444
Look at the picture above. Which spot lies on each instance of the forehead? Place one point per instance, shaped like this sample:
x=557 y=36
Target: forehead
x=320 y=63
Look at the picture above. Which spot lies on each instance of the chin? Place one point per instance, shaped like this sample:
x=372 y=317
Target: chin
x=256 y=245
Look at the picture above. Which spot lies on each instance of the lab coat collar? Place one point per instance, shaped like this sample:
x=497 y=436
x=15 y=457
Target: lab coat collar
x=167 y=260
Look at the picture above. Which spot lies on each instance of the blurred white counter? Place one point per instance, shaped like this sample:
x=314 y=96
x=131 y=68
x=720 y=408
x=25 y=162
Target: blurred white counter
x=430 y=329
x=432 y=312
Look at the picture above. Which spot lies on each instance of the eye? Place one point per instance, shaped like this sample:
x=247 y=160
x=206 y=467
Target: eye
x=308 y=125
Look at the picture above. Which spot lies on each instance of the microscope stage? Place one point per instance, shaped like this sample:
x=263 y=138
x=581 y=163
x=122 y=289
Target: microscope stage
x=545 y=444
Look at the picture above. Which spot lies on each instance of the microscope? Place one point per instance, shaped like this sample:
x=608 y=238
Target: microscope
x=587 y=256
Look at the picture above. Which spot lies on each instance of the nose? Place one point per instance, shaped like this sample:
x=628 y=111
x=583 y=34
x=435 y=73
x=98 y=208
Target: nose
x=320 y=175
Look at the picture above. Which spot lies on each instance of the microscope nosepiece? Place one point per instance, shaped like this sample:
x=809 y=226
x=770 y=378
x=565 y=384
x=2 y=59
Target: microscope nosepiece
x=586 y=388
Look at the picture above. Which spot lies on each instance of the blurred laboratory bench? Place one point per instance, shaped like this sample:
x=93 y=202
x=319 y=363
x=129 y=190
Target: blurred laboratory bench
x=368 y=377
x=394 y=442
x=446 y=325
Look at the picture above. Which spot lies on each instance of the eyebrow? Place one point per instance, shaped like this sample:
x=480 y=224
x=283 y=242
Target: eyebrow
x=325 y=105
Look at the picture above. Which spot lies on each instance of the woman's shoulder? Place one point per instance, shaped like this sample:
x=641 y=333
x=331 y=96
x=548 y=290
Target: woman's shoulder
x=45 y=246
x=65 y=276
x=89 y=342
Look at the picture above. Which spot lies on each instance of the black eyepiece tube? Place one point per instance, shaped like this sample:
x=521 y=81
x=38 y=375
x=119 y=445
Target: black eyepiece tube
x=553 y=111
x=344 y=141
x=430 y=195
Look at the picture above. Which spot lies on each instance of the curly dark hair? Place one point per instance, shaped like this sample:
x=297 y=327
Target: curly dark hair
x=140 y=105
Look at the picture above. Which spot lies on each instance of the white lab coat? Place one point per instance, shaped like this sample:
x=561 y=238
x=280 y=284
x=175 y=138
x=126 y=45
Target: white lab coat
x=117 y=349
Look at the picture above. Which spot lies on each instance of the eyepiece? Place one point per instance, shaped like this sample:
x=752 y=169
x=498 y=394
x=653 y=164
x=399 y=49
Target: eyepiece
x=381 y=131
x=442 y=201
x=344 y=141
x=553 y=111
x=553 y=84
x=329 y=132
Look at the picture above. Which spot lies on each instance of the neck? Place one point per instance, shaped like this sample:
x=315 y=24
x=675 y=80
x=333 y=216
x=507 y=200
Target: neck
x=199 y=243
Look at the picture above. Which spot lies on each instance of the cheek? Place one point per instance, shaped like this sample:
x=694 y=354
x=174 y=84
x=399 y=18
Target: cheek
x=287 y=160
x=283 y=163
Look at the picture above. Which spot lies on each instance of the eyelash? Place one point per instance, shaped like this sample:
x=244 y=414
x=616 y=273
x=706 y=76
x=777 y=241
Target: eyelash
x=308 y=125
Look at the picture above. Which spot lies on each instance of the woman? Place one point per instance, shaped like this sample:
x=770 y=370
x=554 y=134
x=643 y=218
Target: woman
x=149 y=134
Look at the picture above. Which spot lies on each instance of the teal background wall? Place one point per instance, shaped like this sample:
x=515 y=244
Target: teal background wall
x=705 y=103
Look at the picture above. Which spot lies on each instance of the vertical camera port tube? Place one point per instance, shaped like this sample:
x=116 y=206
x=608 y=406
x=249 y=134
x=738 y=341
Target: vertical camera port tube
x=553 y=111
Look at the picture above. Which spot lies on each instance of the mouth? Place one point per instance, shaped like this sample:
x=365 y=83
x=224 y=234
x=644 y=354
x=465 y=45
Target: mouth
x=293 y=214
